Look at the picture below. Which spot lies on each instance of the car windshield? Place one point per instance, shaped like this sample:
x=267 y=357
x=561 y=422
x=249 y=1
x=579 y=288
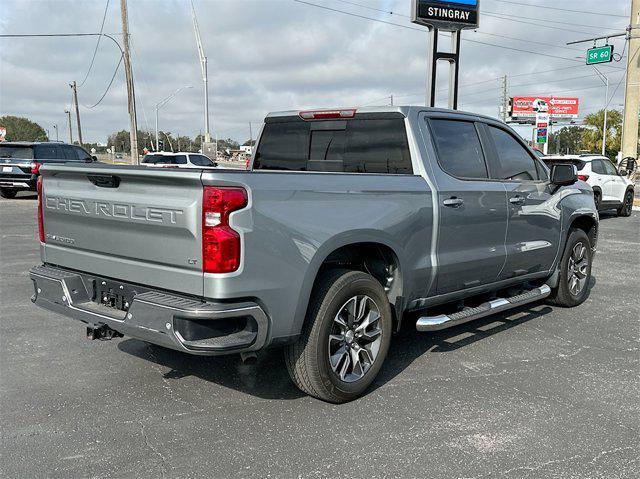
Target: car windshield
x=20 y=152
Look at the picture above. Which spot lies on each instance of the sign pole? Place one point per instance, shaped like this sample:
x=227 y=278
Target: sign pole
x=432 y=63
x=454 y=69
x=451 y=16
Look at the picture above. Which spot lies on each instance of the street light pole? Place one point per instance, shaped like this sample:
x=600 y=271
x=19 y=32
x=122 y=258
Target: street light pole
x=161 y=103
x=205 y=73
x=70 y=130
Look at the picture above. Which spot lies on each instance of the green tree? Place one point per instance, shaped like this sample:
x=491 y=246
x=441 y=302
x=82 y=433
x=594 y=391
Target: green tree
x=567 y=140
x=121 y=142
x=22 y=129
x=249 y=143
x=592 y=138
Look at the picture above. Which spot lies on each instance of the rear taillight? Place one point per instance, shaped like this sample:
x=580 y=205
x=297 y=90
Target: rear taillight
x=220 y=242
x=583 y=177
x=40 y=218
x=35 y=167
x=327 y=114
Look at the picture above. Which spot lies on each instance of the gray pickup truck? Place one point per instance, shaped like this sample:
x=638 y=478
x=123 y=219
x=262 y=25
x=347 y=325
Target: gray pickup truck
x=348 y=221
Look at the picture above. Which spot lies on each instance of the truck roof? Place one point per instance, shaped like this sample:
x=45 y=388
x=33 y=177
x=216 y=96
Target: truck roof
x=405 y=110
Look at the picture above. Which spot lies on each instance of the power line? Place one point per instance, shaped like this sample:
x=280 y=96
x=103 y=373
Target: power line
x=597 y=27
x=389 y=12
x=546 y=55
x=502 y=16
x=108 y=86
x=561 y=9
x=104 y=17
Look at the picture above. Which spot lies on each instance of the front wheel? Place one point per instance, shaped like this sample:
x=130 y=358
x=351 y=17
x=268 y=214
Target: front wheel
x=345 y=338
x=627 y=205
x=575 y=271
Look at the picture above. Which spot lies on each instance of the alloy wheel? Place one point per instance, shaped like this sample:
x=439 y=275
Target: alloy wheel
x=355 y=338
x=578 y=268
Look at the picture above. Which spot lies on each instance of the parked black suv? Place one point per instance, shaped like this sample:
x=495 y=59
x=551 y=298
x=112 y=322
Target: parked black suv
x=20 y=162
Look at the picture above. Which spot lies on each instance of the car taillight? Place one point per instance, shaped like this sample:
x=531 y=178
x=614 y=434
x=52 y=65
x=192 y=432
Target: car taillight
x=583 y=177
x=40 y=218
x=220 y=242
x=35 y=167
x=327 y=114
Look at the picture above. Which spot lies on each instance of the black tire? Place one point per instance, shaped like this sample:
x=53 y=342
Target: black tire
x=565 y=294
x=308 y=359
x=8 y=193
x=596 y=199
x=627 y=205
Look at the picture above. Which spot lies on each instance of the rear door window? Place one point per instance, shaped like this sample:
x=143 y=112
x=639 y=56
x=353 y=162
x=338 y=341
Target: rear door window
x=459 y=149
x=69 y=153
x=351 y=146
x=515 y=162
x=47 y=152
x=597 y=167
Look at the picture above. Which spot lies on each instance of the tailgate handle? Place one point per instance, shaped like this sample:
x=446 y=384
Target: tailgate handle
x=104 y=181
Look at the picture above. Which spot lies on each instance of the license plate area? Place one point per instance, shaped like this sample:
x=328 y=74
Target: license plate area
x=113 y=294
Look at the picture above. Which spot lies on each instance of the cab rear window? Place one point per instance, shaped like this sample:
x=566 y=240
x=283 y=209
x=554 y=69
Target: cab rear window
x=343 y=146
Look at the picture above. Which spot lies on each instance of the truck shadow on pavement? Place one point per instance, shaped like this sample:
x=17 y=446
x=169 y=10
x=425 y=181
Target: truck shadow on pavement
x=267 y=377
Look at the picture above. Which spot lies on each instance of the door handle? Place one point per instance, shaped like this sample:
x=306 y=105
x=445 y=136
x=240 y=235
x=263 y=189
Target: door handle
x=453 y=202
x=517 y=200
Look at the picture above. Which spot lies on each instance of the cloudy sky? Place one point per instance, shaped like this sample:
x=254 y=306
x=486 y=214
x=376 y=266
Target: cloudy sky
x=267 y=55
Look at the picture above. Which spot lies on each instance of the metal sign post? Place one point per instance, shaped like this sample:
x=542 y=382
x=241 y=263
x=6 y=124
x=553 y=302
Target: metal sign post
x=446 y=15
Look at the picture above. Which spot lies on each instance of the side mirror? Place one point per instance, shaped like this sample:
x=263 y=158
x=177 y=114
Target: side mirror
x=94 y=158
x=564 y=174
x=622 y=171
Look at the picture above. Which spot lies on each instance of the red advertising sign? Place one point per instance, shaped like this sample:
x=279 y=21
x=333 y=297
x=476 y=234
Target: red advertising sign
x=559 y=107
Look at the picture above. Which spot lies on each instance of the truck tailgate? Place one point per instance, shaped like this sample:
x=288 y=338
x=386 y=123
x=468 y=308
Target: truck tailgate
x=137 y=223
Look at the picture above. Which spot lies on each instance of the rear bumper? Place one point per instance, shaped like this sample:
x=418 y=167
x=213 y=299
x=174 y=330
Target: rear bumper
x=22 y=183
x=177 y=322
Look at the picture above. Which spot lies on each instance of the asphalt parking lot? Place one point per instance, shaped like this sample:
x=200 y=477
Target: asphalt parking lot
x=541 y=392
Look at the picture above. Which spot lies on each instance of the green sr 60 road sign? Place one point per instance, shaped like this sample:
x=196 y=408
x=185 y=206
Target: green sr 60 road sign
x=602 y=54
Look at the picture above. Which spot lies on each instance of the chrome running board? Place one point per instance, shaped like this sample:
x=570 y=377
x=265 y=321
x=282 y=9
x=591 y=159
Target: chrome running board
x=443 y=321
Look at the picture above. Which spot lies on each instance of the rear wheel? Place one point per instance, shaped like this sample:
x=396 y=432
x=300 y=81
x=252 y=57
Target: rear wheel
x=627 y=204
x=575 y=271
x=345 y=338
x=8 y=193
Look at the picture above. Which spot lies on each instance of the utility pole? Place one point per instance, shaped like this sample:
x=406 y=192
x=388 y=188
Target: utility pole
x=75 y=101
x=55 y=127
x=70 y=130
x=131 y=97
x=205 y=74
x=504 y=102
x=391 y=99
x=250 y=134
x=632 y=90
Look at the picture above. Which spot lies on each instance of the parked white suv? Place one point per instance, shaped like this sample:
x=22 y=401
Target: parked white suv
x=611 y=190
x=178 y=160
